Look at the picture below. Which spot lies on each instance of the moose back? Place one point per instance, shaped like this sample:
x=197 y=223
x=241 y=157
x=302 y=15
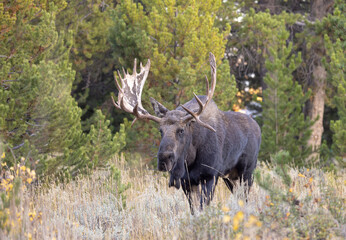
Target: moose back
x=199 y=142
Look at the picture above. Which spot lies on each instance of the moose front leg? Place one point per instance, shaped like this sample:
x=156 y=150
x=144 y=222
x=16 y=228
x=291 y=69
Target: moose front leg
x=208 y=189
x=194 y=196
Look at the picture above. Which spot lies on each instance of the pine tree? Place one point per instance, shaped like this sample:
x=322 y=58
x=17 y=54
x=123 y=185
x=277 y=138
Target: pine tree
x=333 y=28
x=26 y=42
x=40 y=120
x=337 y=75
x=176 y=36
x=90 y=54
x=307 y=35
x=284 y=126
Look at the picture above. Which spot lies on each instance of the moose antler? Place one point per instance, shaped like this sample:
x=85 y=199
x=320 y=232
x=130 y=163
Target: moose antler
x=210 y=93
x=130 y=92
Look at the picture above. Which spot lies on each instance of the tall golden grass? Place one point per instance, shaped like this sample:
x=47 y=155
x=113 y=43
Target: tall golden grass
x=91 y=207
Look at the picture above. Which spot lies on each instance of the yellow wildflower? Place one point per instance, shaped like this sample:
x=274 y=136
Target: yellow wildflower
x=239 y=215
x=252 y=221
x=29 y=180
x=259 y=99
x=241 y=203
x=32 y=214
x=23 y=168
x=3 y=155
x=225 y=209
x=3 y=164
x=301 y=175
x=226 y=219
x=291 y=190
x=235 y=224
x=259 y=224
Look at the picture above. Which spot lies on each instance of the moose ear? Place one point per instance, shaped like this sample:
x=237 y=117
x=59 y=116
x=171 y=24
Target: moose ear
x=159 y=109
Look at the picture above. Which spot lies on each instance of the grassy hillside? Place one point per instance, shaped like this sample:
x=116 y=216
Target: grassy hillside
x=139 y=205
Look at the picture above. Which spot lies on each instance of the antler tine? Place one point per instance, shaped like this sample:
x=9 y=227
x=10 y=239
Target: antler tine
x=117 y=83
x=135 y=68
x=195 y=116
x=146 y=65
x=145 y=116
x=200 y=103
x=207 y=84
x=121 y=79
x=115 y=104
x=210 y=93
x=213 y=74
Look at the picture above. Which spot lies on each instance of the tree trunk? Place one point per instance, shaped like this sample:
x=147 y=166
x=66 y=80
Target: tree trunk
x=316 y=110
x=319 y=9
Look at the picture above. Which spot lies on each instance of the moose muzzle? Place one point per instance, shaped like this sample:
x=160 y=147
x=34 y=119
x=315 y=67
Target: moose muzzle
x=165 y=161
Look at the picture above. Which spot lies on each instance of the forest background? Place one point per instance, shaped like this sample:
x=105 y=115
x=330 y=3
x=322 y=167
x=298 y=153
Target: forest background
x=280 y=61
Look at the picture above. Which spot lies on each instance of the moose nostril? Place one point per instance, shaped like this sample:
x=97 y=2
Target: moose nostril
x=170 y=156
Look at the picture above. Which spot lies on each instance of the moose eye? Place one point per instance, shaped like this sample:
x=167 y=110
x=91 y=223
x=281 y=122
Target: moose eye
x=180 y=132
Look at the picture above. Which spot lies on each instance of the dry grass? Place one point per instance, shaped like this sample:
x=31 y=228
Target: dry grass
x=92 y=208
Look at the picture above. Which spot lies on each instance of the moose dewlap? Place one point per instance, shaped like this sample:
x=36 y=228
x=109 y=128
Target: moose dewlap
x=199 y=142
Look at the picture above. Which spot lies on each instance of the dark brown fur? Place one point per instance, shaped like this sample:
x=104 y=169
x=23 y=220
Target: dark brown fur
x=199 y=142
x=196 y=156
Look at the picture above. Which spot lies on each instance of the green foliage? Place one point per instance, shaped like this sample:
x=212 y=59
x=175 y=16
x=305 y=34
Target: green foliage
x=257 y=32
x=37 y=77
x=90 y=54
x=176 y=36
x=284 y=126
x=336 y=74
x=225 y=90
x=93 y=150
x=120 y=188
x=40 y=119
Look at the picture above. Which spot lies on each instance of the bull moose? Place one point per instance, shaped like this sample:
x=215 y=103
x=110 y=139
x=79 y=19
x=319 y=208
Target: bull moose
x=199 y=142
